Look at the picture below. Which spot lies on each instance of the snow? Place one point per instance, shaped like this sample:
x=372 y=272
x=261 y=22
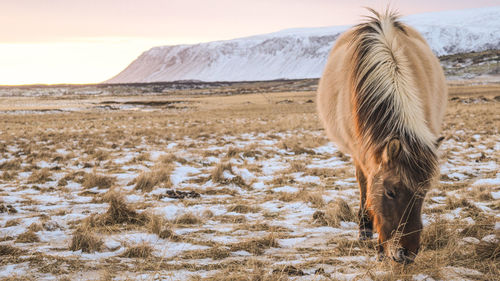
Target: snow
x=286 y=188
x=471 y=240
x=495 y=195
x=495 y=181
x=458 y=176
x=183 y=173
x=291 y=242
x=301 y=52
x=169 y=212
x=308 y=179
x=422 y=277
x=11 y=270
x=492 y=238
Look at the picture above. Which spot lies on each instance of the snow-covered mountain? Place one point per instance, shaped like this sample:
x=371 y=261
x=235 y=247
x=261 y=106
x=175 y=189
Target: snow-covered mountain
x=301 y=53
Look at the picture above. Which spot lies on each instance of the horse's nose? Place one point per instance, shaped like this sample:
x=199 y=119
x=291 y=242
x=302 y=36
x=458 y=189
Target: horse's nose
x=402 y=255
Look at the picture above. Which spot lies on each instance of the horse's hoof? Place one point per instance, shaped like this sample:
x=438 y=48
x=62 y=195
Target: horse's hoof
x=365 y=235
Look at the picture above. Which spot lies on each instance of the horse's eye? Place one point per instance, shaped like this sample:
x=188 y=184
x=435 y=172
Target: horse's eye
x=390 y=194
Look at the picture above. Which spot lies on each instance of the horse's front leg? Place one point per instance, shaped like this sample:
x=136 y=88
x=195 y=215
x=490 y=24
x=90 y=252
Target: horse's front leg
x=365 y=222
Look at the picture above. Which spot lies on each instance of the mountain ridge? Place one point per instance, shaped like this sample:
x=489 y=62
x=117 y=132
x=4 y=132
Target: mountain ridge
x=300 y=52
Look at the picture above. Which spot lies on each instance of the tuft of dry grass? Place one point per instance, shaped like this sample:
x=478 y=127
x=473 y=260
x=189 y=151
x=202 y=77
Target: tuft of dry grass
x=100 y=155
x=14 y=164
x=437 y=235
x=453 y=203
x=302 y=145
x=9 y=250
x=250 y=270
x=148 y=180
x=218 y=172
x=335 y=213
x=142 y=250
x=240 y=208
x=217 y=176
x=232 y=152
x=315 y=198
x=296 y=167
x=483 y=226
x=101 y=181
x=12 y=222
x=62 y=182
x=215 y=253
x=160 y=226
x=118 y=212
x=171 y=158
x=6 y=176
x=35 y=227
x=28 y=237
x=40 y=176
x=256 y=246
x=83 y=239
x=488 y=250
x=188 y=218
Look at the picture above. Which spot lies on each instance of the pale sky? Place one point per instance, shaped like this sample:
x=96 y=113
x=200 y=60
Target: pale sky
x=89 y=41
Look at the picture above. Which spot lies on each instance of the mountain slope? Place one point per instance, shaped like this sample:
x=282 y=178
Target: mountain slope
x=302 y=52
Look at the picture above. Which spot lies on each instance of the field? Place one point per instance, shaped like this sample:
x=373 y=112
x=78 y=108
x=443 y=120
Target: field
x=223 y=181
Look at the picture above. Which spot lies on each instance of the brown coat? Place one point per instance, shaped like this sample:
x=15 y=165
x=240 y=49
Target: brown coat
x=334 y=99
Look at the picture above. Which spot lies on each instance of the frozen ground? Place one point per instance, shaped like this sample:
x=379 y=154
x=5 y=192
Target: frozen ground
x=259 y=192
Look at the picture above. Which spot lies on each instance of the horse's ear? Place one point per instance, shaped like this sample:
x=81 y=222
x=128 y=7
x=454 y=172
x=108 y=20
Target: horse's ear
x=392 y=149
x=439 y=141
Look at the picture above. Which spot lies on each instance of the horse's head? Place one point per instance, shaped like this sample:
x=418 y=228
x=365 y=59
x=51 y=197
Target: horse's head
x=395 y=208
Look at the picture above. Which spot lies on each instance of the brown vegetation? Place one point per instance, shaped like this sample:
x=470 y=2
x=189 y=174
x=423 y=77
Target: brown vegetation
x=85 y=240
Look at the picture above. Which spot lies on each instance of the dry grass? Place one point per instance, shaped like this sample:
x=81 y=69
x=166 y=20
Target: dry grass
x=35 y=227
x=437 y=235
x=215 y=253
x=159 y=176
x=218 y=176
x=171 y=158
x=453 y=203
x=138 y=251
x=118 y=213
x=484 y=225
x=250 y=270
x=251 y=132
x=28 y=237
x=296 y=167
x=12 y=222
x=488 y=250
x=256 y=246
x=160 y=227
x=9 y=250
x=188 y=218
x=97 y=180
x=315 y=198
x=86 y=241
x=14 y=164
x=335 y=213
x=242 y=208
x=40 y=176
x=218 y=172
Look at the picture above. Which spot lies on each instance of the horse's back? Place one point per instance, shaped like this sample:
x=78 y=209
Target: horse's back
x=335 y=100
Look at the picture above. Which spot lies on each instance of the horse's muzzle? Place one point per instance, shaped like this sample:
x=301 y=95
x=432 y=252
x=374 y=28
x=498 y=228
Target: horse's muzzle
x=404 y=256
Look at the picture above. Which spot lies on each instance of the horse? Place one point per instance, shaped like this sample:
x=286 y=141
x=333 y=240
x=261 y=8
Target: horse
x=381 y=99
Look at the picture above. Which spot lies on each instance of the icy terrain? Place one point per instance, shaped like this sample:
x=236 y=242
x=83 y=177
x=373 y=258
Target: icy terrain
x=302 y=52
x=228 y=187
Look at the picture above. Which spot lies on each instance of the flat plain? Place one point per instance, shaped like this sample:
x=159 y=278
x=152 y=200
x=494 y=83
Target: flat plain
x=223 y=181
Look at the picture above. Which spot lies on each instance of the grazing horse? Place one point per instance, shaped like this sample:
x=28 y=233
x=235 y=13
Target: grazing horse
x=382 y=99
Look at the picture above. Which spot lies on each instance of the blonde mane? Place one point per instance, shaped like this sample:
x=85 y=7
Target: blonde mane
x=385 y=102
